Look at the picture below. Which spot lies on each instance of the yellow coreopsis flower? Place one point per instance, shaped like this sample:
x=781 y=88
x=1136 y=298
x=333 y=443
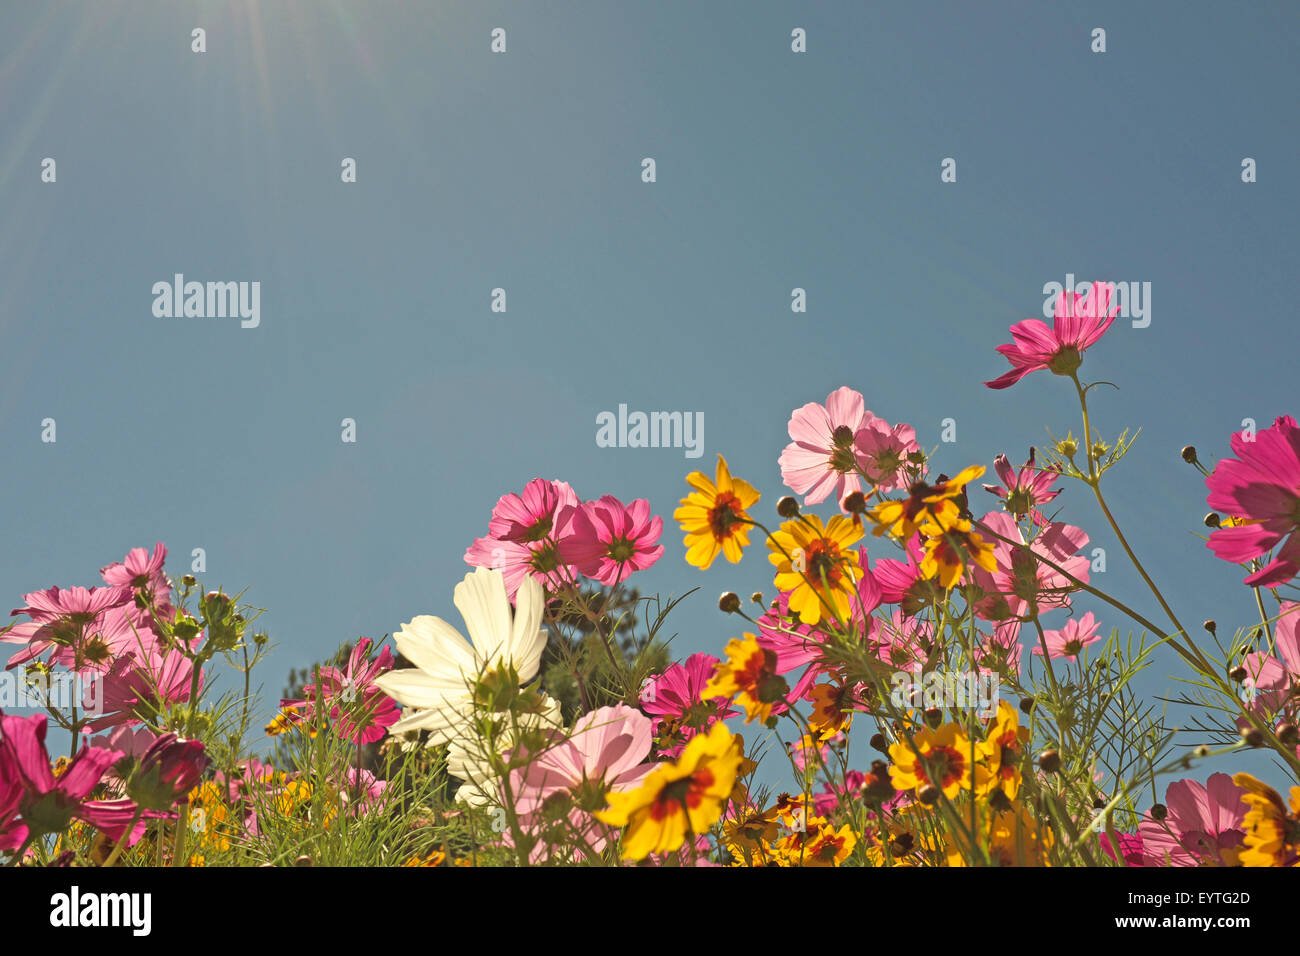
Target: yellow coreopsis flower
x=814 y=564
x=948 y=550
x=832 y=709
x=1014 y=837
x=715 y=516
x=1006 y=746
x=749 y=675
x=678 y=799
x=924 y=504
x=1272 y=834
x=947 y=753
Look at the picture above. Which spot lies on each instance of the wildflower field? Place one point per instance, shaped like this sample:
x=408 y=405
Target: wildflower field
x=921 y=644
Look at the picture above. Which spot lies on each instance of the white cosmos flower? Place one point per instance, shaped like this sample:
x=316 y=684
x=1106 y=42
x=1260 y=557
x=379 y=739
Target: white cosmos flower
x=438 y=691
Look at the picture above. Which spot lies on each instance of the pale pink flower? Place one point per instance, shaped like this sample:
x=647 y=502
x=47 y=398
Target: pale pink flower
x=1021 y=579
x=822 y=459
x=84 y=628
x=1204 y=825
x=1069 y=641
x=882 y=451
x=1275 y=681
x=605 y=752
x=140 y=688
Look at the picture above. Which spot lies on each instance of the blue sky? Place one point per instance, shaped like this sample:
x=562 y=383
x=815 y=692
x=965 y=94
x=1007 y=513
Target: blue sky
x=522 y=171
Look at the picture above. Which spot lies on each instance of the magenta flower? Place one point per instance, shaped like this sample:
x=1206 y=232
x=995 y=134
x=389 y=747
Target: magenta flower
x=882 y=451
x=1261 y=489
x=140 y=688
x=674 y=704
x=1021 y=493
x=359 y=709
x=48 y=804
x=795 y=644
x=1078 y=324
x=902 y=583
x=167 y=772
x=1130 y=847
x=83 y=627
x=1204 y=825
x=530 y=516
x=822 y=459
x=1070 y=640
x=835 y=792
x=610 y=540
x=1021 y=579
x=143 y=572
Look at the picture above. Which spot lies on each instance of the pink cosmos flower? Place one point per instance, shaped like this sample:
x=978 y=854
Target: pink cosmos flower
x=903 y=640
x=526 y=536
x=1000 y=651
x=823 y=457
x=85 y=628
x=1130 y=847
x=1021 y=493
x=1020 y=577
x=362 y=791
x=833 y=792
x=1275 y=681
x=141 y=687
x=795 y=644
x=530 y=515
x=882 y=452
x=167 y=772
x=674 y=704
x=606 y=750
x=48 y=804
x=902 y=583
x=143 y=572
x=610 y=540
x=359 y=709
x=1078 y=324
x=1204 y=825
x=1262 y=486
x=1070 y=640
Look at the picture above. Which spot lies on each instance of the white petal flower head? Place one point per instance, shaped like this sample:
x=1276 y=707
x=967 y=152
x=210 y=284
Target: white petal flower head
x=437 y=691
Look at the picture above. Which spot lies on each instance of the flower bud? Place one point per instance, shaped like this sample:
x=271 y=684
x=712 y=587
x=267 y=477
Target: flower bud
x=757 y=598
x=1027 y=704
x=1254 y=737
x=1159 y=811
x=1189 y=454
x=929 y=794
x=1210 y=626
x=855 y=503
x=1288 y=734
x=877 y=741
x=1238 y=674
x=1202 y=751
x=1050 y=761
x=787 y=507
x=168 y=770
x=934 y=717
x=1212 y=520
x=729 y=602
x=189 y=581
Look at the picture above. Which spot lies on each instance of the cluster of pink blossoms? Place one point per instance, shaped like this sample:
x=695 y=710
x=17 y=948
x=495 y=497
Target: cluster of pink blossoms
x=546 y=532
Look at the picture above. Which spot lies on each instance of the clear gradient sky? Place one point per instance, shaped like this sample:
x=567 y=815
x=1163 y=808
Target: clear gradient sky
x=523 y=171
